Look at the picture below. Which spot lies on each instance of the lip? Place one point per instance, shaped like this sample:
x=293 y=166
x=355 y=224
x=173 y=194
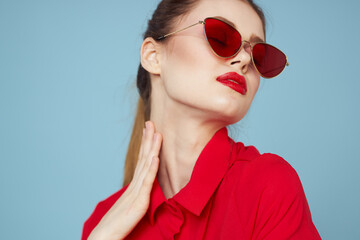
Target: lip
x=239 y=86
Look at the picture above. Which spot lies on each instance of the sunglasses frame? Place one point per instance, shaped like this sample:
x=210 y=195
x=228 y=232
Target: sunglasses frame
x=241 y=46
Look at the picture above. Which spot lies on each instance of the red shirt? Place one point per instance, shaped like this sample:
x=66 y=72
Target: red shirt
x=234 y=193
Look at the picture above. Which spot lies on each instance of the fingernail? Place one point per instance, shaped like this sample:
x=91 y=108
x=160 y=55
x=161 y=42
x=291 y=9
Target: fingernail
x=147 y=125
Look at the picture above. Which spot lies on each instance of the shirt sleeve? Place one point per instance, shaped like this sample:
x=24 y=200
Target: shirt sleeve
x=283 y=211
x=100 y=210
x=93 y=220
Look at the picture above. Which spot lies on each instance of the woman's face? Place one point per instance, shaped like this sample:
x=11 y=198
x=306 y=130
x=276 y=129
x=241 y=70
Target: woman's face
x=189 y=68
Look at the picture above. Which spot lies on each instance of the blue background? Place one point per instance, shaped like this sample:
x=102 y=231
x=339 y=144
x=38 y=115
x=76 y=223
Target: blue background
x=67 y=100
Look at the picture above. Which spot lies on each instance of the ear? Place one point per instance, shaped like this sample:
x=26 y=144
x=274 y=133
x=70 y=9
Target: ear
x=150 y=55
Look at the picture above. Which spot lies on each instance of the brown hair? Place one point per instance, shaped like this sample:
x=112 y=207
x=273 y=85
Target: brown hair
x=164 y=17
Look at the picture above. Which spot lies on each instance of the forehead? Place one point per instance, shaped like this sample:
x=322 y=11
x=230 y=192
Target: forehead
x=239 y=12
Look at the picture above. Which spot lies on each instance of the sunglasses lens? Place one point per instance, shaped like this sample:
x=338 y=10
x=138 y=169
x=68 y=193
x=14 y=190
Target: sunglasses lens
x=268 y=60
x=223 y=38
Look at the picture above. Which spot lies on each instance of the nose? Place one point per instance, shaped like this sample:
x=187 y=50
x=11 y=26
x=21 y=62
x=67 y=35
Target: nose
x=242 y=59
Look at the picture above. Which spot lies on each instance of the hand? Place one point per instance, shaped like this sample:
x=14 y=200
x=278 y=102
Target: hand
x=130 y=208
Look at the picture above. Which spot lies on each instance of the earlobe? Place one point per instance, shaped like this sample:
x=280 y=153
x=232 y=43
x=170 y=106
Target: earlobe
x=150 y=56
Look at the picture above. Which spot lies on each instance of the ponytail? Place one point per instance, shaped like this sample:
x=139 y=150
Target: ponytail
x=142 y=115
x=134 y=144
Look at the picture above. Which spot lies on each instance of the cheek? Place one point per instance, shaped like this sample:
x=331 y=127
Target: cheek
x=186 y=68
x=186 y=52
x=255 y=85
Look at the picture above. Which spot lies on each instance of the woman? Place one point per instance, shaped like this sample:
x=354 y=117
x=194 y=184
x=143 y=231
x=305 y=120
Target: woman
x=200 y=70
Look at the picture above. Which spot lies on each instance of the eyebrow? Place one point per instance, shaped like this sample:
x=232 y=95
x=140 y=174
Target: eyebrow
x=226 y=20
x=253 y=37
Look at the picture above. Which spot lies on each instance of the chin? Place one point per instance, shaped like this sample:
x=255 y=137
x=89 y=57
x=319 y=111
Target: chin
x=234 y=119
x=231 y=115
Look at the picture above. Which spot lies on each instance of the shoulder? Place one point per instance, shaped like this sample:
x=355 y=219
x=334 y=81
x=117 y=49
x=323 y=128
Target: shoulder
x=274 y=171
x=277 y=178
x=100 y=210
x=267 y=170
x=269 y=189
x=266 y=177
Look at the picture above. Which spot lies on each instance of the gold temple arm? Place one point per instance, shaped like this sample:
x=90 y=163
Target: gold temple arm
x=162 y=37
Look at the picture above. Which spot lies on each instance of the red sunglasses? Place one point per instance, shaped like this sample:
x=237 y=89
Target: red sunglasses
x=225 y=41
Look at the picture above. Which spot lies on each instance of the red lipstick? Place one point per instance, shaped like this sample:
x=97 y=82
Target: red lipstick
x=234 y=81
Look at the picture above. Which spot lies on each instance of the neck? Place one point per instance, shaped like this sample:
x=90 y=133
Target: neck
x=185 y=134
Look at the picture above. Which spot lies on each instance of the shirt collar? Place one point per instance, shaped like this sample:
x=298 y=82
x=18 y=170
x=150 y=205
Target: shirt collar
x=208 y=172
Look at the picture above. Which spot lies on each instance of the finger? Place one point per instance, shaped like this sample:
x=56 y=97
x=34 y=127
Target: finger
x=146 y=146
x=155 y=147
x=141 y=144
x=153 y=153
x=150 y=177
x=138 y=162
x=149 y=138
x=143 y=161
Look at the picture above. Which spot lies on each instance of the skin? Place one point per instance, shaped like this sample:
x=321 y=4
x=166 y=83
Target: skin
x=188 y=106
